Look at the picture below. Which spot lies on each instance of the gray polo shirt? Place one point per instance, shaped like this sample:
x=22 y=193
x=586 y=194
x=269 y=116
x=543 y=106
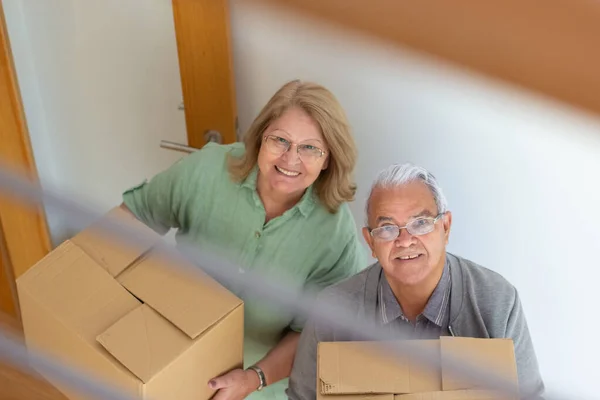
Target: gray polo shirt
x=431 y=323
x=482 y=304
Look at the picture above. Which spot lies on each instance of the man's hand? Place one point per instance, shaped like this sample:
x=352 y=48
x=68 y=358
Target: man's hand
x=235 y=385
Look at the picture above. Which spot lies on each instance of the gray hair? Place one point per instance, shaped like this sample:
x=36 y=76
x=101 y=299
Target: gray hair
x=400 y=174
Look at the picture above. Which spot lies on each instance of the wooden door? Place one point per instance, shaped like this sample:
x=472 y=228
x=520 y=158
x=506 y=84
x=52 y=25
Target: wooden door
x=206 y=67
x=24 y=237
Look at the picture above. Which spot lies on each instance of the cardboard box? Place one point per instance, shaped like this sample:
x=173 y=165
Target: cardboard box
x=360 y=370
x=130 y=317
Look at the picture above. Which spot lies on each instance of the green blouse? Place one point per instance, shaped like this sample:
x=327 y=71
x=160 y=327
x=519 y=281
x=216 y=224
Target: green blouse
x=306 y=246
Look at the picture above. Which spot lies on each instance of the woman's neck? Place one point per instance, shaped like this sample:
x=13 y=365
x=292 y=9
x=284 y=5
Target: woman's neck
x=275 y=204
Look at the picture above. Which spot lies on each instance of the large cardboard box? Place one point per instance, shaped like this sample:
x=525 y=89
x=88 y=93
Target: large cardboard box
x=361 y=370
x=130 y=317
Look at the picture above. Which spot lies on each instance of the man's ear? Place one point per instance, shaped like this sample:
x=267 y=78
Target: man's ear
x=369 y=240
x=447 y=218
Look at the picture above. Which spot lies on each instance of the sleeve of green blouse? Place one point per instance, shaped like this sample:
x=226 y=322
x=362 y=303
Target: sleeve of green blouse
x=352 y=260
x=159 y=203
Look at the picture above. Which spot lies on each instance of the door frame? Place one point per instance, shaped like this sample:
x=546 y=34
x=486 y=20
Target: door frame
x=24 y=234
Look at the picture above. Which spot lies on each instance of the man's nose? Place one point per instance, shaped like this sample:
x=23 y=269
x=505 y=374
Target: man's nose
x=404 y=239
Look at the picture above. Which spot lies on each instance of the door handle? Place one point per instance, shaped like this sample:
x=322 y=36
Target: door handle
x=210 y=136
x=213 y=136
x=166 y=144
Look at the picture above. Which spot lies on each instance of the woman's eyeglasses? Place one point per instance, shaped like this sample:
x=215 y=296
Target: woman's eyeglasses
x=307 y=152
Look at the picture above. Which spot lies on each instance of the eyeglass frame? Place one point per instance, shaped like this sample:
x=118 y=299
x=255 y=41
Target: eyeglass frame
x=435 y=219
x=323 y=152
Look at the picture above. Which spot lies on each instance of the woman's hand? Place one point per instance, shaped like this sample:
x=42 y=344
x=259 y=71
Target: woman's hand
x=277 y=364
x=235 y=385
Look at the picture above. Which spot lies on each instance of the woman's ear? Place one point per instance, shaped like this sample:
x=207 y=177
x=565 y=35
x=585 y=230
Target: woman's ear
x=326 y=163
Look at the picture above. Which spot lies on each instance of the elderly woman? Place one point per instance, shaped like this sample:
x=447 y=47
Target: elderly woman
x=277 y=203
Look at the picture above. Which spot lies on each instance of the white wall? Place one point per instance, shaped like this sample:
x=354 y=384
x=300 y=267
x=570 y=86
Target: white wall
x=521 y=173
x=101 y=86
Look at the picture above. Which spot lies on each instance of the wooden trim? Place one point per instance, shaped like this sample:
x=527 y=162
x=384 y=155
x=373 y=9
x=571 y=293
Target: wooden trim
x=202 y=29
x=550 y=47
x=9 y=302
x=24 y=228
x=9 y=324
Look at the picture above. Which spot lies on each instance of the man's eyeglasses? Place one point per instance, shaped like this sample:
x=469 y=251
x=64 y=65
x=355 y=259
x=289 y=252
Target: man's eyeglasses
x=307 y=152
x=416 y=227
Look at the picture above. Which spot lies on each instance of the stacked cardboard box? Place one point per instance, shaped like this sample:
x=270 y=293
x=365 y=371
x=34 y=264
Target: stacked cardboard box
x=360 y=370
x=129 y=316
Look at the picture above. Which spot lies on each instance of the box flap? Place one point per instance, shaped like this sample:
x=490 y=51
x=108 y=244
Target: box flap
x=191 y=301
x=110 y=252
x=361 y=368
x=77 y=291
x=144 y=342
x=452 y=395
x=495 y=355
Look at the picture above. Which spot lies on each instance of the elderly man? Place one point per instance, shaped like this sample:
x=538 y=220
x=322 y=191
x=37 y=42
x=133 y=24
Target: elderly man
x=417 y=284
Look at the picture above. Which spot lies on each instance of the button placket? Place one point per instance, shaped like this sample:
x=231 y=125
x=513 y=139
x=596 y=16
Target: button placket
x=258 y=235
x=257 y=244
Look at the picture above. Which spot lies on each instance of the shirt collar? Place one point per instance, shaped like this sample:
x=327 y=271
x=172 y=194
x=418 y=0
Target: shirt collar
x=305 y=205
x=250 y=181
x=435 y=309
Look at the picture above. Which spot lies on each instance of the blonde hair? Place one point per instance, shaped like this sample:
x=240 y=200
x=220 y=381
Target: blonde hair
x=334 y=185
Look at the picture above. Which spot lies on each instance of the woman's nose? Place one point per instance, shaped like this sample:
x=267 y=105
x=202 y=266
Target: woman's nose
x=291 y=156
